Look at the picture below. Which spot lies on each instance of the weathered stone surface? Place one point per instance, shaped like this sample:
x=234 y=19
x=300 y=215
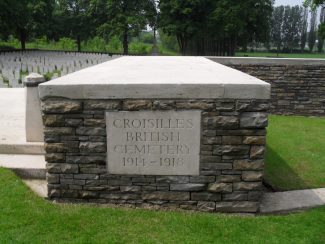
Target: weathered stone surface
x=58 y=131
x=91 y=131
x=187 y=187
x=235 y=196
x=73 y=122
x=61 y=168
x=247 y=186
x=253 y=120
x=53 y=178
x=254 y=195
x=252 y=175
x=53 y=120
x=231 y=140
x=94 y=122
x=227 y=122
x=88 y=194
x=86 y=159
x=61 y=106
x=235 y=150
x=228 y=178
x=54 y=157
x=120 y=196
x=211 y=140
x=248 y=164
x=86 y=176
x=254 y=140
x=206 y=206
x=205 y=196
x=242 y=207
x=220 y=187
x=130 y=188
x=210 y=159
x=92 y=147
x=257 y=152
x=137 y=104
x=101 y=105
x=55 y=148
x=163 y=104
x=166 y=195
x=172 y=179
x=202 y=179
x=203 y=105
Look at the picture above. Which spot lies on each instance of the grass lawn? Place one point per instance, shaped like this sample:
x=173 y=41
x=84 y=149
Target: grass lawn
x=26 y=218
x=295 y=152
x=281 y=55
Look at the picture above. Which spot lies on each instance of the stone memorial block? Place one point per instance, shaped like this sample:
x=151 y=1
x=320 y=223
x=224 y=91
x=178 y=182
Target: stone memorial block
x=153 y=142
x=180 y=132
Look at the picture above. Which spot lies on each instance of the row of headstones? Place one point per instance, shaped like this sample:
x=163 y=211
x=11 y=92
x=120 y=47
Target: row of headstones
x=14 y=66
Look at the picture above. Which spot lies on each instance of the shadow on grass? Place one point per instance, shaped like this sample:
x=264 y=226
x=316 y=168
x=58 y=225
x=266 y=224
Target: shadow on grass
x=279 y=175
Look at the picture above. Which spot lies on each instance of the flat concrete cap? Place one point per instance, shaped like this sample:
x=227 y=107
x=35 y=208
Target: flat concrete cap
x=34 y=79
x=157 y=77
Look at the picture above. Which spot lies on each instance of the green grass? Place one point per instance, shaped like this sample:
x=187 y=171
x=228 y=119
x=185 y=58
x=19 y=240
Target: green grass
x=281 y=55
x=295 y=152
x=26 y=218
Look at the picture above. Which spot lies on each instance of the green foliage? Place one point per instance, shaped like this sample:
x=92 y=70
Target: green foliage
x=139 y=48
x=297 y=160
x=115 y=45
x=202 y=26
x=125 y=18
x=66 y=44
x=96 y=44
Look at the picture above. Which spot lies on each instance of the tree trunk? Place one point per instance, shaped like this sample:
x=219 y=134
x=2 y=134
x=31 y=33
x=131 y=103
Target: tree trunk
x=125 y=43
x=23 y=37
x=79 y=43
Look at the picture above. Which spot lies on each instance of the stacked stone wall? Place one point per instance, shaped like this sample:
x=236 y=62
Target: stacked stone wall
x=231 y=156
x=297 y=86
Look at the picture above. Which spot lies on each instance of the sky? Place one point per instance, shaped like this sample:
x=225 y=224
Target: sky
x=288 y=2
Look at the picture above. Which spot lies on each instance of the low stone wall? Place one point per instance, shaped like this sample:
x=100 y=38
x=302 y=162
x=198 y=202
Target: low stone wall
x=231 y=155
x=298 y=85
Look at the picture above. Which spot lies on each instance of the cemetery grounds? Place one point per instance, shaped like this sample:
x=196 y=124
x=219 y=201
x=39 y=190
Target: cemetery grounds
x=294 y=161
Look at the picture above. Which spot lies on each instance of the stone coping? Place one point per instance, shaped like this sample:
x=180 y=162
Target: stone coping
x=157 y=77
x=266 y=61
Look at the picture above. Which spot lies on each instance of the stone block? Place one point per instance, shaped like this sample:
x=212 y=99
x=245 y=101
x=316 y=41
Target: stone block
x=252 y=175
x=91 y=131
x=235 y=196
x=257 y=152
x=202 y=179
x=247 y=186
x=54 y=157
x=205 y=196
x=202 y=105
x=172 y=179
x=235 y=150
x=241 y=207
x=231 y=140
x=95 y=122
x=206 y=206
x=53 y=120
x=248 y=164
x=220 y=187
x=86 y=159
x=254 y=140
x=187 y=187
x=92 y=147
x=101 y=105
x=226 y=122
x=253 y=120
x=166 y=195
x=61 y=106
x=228 y=178
x=137 y=104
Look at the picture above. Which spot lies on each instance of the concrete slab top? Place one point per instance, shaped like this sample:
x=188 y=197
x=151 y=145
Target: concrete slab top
x=157 y=77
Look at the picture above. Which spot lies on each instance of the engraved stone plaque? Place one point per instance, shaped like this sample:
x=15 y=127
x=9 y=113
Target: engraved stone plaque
x=153 y=142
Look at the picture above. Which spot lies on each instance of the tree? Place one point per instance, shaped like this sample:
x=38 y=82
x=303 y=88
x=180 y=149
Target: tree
x=277 y=26
x=24 y=17
x=125 y=18
x=304 y=26
x=209 y=27
x=320 y=31
x=312 y=31
x=75 y=18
